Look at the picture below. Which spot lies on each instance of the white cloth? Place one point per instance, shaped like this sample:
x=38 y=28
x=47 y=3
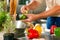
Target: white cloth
x=51 y=4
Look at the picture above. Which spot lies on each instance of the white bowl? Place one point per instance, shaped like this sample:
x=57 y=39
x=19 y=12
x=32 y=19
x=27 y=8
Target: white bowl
x=20 y=24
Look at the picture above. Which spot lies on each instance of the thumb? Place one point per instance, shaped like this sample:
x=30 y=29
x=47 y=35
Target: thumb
x=26 y=11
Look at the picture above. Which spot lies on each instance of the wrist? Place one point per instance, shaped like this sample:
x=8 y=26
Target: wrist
x=37 y=16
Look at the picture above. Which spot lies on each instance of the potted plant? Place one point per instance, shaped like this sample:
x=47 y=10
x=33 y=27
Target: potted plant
x=9 y=29
x=2 y=15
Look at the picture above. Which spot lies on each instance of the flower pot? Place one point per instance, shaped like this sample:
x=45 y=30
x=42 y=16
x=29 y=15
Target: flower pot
x=19 y=33
x=8 y=36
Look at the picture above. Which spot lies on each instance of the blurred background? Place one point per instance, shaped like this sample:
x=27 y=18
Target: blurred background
x=5 y=9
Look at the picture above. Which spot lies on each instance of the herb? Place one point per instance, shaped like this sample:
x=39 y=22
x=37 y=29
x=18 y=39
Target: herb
x=2 y=15
x=9 y=27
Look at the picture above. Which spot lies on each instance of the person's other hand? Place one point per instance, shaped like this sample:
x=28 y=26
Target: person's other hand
x=30 y=17
x=24 y=9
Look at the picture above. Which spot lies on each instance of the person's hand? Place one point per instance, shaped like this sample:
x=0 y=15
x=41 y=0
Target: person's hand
x=30 y=17
x=24 y=9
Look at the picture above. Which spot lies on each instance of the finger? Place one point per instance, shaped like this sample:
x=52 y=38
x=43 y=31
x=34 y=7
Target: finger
x=27 y=15
x=23 y=10
x=26 y=20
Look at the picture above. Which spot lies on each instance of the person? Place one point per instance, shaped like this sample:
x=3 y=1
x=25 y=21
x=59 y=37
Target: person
x=52 y=13
x=33 y=10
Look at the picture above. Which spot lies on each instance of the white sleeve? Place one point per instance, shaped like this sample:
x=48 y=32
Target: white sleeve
x=58 y=2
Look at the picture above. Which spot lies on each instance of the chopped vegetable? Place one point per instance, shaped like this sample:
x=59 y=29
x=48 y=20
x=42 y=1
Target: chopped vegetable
x=22 y=17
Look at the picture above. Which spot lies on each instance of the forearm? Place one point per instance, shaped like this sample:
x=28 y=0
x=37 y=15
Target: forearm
x=50 y=12
x=33 y=4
